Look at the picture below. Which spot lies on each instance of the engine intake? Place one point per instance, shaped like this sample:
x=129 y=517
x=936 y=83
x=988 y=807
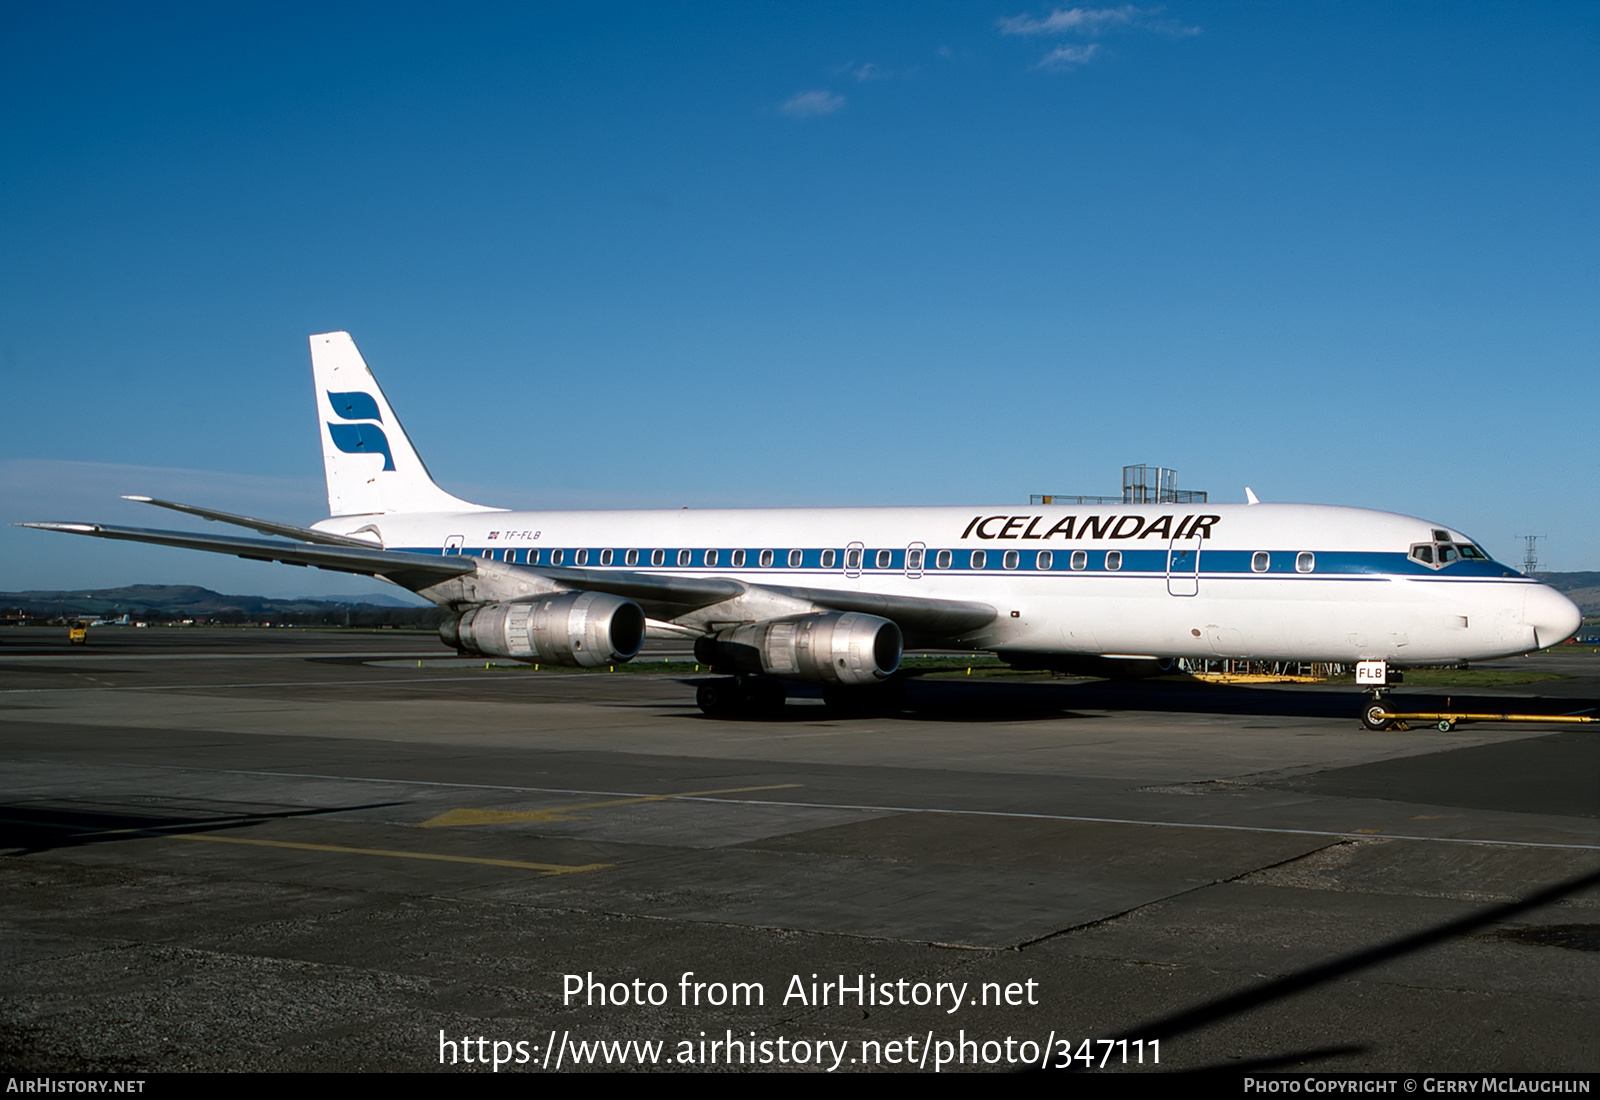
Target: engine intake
x=585 y=629
x=831 y=648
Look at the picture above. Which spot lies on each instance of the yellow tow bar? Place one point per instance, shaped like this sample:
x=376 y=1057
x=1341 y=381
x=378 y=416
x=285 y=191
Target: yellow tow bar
x=1377 y=718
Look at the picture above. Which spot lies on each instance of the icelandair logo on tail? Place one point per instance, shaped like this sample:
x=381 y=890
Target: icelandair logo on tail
x=358 y=439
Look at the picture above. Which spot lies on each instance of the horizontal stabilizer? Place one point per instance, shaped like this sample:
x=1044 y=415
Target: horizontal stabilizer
x=407 y=570
x=265 y=526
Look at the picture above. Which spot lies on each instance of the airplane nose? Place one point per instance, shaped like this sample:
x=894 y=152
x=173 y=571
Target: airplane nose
x=1554 y=618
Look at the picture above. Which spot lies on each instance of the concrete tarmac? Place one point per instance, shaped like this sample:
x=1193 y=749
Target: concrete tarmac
x=298 y=850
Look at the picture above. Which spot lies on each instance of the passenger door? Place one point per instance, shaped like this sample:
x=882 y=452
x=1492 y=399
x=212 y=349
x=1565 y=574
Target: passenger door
x=1183 y=567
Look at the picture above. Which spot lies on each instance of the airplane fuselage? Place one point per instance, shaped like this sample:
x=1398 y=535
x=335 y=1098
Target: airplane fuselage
x=1264 y=581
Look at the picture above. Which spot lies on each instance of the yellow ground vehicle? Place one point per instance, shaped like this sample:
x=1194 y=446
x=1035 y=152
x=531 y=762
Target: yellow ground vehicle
x=78 y=632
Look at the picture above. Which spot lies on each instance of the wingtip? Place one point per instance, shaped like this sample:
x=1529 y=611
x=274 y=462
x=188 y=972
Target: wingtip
x=137 y=497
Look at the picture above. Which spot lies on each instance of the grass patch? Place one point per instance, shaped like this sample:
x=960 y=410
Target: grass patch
x=658 y=668
x=1475 y=677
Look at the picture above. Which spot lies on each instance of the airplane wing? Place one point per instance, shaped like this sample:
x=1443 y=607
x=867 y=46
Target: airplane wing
x=663 y=596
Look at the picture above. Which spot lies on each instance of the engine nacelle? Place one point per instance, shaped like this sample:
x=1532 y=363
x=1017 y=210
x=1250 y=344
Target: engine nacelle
x=833 y=648
x=586 y=629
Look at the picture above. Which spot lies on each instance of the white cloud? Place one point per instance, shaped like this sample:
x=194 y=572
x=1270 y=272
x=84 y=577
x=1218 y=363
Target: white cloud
x=1093 y=21
x=867 y=70
x=1074 y=20
x=1065 y=57
x=812 y=104
x=1088 y=23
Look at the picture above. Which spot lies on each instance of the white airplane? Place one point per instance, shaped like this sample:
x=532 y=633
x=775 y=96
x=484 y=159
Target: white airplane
x=831 y=596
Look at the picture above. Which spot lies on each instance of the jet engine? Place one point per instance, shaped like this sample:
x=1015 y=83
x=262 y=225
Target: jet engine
x=574 y=628
x=832 y=648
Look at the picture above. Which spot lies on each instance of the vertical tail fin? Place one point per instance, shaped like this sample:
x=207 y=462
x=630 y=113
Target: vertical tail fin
x=370 y=464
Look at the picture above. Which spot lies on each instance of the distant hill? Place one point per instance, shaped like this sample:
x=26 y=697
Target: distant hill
x=1582 y=589
x=186 y=601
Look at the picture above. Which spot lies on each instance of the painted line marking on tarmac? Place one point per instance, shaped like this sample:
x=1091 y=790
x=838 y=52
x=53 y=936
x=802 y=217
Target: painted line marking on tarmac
x=394 y=853
x=1343 y=834
x=161 y=833
x=563 y=813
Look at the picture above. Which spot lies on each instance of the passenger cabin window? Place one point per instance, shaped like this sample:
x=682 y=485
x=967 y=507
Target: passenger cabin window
x=766 y=559
x=852 y=559
x=943 y=560
x=913 y=560
x=658 y=557
x=1012 y=559
x=795 y=558
x=1045 y=560
x=557 y=557
x=884 y=558
x=533 y=557
x=737 y=561
x=1080 y=559
x=631 y=558
x=711 y=557
x=581 y=557
x=1113 y=560
x=605 y=556
x=980 y=559
x=684 y=557
x=828 y=559
x=1260 y=561
x=1305 y=561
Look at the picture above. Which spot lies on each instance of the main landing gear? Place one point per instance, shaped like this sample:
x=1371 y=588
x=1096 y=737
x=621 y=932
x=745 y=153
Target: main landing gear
x=740 y=696
x=764 y=697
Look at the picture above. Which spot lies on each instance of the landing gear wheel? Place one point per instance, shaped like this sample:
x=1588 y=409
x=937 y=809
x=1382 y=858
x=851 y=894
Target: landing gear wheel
x=1376 y=718
x=719 y=698
x=765 y=696
x=1445 y=725
x=739 y=695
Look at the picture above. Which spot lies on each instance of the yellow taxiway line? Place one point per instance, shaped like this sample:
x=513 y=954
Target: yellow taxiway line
x=544 y=868
x=564 y=813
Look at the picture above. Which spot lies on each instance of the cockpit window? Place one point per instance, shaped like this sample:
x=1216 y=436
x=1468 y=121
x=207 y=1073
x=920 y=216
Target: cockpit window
x=1437 y=555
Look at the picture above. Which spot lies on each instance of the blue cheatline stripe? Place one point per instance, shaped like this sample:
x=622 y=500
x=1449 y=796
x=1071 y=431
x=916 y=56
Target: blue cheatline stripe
x=1217 y=564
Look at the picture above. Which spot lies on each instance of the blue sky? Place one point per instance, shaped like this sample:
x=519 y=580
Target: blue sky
x=669 y=254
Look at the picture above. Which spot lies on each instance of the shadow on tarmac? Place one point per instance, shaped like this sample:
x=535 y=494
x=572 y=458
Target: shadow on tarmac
x=984 y=700
x=29 y=829
x=1215 y=1011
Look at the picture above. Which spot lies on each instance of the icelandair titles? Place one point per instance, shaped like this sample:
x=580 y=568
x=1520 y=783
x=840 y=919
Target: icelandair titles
x=1090 y=527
